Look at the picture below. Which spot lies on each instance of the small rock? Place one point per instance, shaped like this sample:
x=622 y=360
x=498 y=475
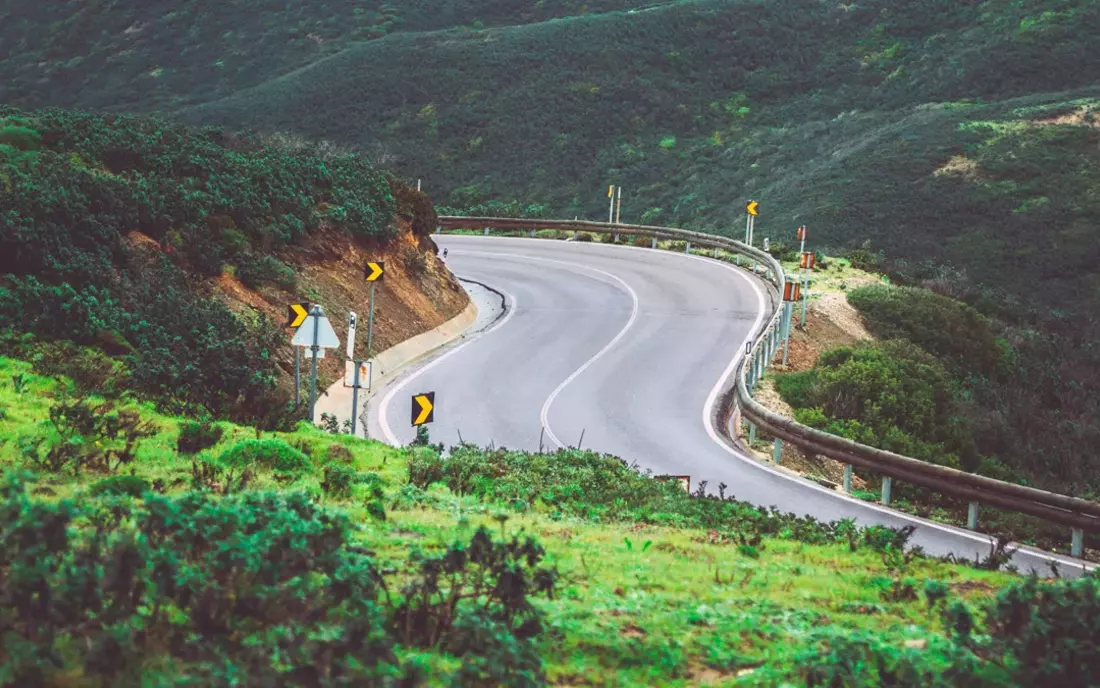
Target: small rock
x=916 y=644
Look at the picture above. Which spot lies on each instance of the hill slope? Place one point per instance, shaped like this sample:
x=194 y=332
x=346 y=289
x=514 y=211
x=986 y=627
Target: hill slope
x=853 y=118
x=176 y=251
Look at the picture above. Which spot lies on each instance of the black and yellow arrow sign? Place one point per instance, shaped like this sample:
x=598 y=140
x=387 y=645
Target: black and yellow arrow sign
x=751 y=208
x=375 y=271
x=423 y=408
x=296 y=314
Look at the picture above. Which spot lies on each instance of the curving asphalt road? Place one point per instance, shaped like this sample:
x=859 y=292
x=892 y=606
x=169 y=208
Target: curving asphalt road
x=630 y=347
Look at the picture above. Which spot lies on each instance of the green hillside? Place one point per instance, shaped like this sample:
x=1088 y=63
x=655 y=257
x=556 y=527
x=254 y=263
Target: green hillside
x=853 y=119
x=140 y=238
x=214 y=555
x=958 y=132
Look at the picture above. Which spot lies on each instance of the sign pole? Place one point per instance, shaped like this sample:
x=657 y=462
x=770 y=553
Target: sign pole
x=370 y=323
x=611 y=206
x=354 y=397
x=316 y=349
x=788 y=310
x=805 y=298
x=297 y=375
x=618 y=203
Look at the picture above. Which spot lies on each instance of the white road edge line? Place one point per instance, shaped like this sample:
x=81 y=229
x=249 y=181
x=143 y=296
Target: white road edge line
x=544 y=413
x=383 y=420
x=708 y=410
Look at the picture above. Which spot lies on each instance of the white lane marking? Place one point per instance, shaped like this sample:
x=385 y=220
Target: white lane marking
x=544 y=413
x=708 y=410
x=383 y=408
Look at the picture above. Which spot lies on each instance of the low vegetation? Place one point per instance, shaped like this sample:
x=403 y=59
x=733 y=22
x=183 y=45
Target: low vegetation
x=343 y=561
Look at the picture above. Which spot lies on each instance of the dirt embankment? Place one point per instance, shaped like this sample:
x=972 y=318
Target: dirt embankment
x=418 y=292
x=831 y=322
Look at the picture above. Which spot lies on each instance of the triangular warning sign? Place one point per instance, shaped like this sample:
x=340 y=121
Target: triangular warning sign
x=326 y=336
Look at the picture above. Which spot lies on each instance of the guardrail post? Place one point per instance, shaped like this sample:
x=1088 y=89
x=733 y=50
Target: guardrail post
x=752 y=433
x=777 y=450
x=715 y=251
x=438 y=229
x=972 y=516
x=1077 y=547
x=688 y=248
x=615 y=238
x=486 y=231
x=532 y=235
x=887 y=483
x=575 y=233
x=654 y=244
x=848 y=478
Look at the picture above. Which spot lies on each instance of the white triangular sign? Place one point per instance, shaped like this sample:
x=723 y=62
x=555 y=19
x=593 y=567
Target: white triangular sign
x=326 y=336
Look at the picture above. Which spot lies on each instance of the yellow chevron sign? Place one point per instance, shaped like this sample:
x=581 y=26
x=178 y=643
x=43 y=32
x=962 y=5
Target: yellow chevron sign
x=751 y=208
x=611 y=191
x=296 y=314
x=375 y=271
x=423 y=408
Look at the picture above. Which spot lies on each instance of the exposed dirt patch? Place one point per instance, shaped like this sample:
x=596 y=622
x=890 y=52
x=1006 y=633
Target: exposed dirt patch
x=1082 y=117
x=830 y=322
x=960 y=166
x=967 y=587
x=632 y=631
x=417 y=293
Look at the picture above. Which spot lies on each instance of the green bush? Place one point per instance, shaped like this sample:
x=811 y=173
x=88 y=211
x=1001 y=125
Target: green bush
x=195 y=436
x=892 y=395
x=276 y=455
x=1051 y=629
x=338 y=480
x=129 y=485
x=947 y=328
x=210 y=588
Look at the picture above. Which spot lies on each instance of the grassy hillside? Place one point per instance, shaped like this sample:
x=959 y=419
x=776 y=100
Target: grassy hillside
x=175 y=251
x=957 y=132
x=327 y=559
x=159 y=55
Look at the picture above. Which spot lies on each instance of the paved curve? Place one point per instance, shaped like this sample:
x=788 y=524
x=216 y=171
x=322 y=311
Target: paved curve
x=630 y=347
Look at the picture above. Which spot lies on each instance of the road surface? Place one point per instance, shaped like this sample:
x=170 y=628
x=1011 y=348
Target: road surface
x=621 y=350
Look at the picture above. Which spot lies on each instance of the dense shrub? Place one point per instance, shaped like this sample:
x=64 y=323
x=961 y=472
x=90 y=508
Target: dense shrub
x=276 y=455
x=1051 y=628
x=195 y=436
x=891 y=395
x=234 y=589
x=256 y=589
x=950 y=329
x=129 y=485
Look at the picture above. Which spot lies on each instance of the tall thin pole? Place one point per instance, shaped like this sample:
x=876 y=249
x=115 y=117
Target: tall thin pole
x=618 y=203
x=316 y=315
x=611 y=207
x=370 y=324
x=788 y=309
x=297 y=375
x=354 y=397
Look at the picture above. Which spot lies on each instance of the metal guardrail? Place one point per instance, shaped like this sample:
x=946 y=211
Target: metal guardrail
x=1079 y=514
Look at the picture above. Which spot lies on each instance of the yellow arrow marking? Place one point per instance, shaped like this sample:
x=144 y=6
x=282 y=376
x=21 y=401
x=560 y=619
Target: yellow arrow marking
x=300 y=315
x=376 y=271
x=425 y=409
x=751 y=207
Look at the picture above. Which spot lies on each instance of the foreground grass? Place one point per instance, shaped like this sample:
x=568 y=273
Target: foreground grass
x=637 y=603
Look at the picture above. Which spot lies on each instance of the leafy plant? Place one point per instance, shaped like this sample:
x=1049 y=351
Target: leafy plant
x=196 y=436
